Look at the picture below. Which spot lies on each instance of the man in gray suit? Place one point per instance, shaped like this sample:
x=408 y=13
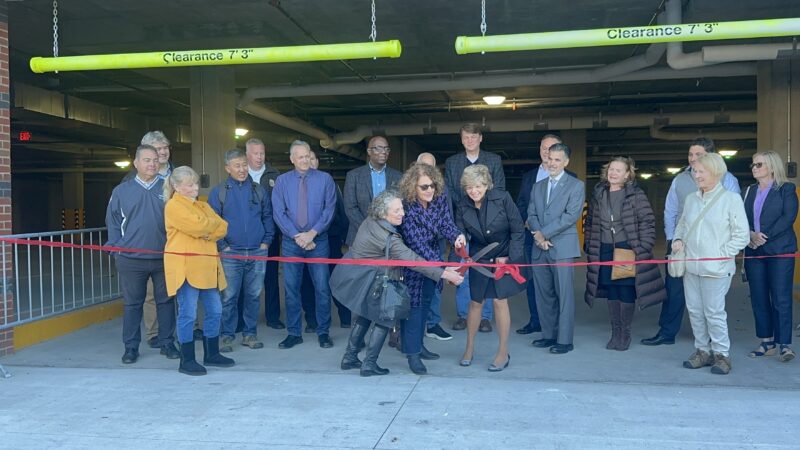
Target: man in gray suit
x=364 y=183
x=554 y=210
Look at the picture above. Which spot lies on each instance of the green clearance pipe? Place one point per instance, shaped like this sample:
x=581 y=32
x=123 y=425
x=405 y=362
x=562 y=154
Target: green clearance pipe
x=219 y=57
x=629 y=35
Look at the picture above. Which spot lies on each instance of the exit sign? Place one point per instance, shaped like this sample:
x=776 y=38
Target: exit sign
x=24 y=135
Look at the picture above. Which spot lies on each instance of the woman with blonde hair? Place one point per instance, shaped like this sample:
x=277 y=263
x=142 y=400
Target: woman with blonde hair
x=194 y=228
x=620 y=217
x=489 y=217
x=771 y=207
x=714 y=226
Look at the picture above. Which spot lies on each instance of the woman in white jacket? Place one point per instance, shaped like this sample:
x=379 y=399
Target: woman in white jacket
x=721 y=232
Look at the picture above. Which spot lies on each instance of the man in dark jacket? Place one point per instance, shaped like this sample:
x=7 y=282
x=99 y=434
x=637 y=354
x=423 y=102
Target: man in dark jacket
x=135 y=220
x=247 y=208
x=364 y=183
x=265 y=175
x=528 y=180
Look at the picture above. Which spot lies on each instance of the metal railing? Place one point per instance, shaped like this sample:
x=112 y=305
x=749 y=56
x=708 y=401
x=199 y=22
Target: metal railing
x=47 y=281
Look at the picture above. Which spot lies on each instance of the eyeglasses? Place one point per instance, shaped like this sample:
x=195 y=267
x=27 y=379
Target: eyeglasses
x=425 y=187
x=383 y=150
x=757 y=165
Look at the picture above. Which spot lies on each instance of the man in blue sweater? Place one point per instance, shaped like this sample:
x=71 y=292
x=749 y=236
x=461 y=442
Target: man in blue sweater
x=247 y=208
x=135 y=221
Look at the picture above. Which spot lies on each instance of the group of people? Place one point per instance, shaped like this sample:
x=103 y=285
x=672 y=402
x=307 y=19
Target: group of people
x=419 y=214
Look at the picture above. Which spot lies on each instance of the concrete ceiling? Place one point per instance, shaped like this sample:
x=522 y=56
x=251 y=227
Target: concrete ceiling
x=427 y=30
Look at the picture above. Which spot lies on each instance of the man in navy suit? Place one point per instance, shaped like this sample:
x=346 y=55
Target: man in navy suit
x=364 y=183
x=555 y=208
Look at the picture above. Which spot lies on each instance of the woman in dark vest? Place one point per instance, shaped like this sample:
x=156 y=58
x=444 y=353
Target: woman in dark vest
x=620 y=216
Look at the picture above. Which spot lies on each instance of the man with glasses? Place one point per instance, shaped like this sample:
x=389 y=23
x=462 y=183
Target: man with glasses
x=683 y=184
x=364 y=183
x=471 y=138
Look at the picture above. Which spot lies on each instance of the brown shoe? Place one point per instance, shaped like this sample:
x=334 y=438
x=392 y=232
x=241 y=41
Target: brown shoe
x=486 y=326
x=460 y=324
x=722 y=364
x=699 y=359
x=252 y=342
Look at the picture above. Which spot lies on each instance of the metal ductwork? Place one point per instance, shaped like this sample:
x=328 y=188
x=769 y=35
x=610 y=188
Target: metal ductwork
x=325 y=140
x=718 y=54
x=555 y=123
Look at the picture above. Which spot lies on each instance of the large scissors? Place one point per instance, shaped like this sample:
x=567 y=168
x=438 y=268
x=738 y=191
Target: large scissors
x=462 y=253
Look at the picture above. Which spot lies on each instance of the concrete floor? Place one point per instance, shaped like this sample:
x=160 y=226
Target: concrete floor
x=74 y=392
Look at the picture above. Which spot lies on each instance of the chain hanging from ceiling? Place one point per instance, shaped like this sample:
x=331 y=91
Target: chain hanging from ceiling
x=483 y=20
x=55 y=28
x=374 y=32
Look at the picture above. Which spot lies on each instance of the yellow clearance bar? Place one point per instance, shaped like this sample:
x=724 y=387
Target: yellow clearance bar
x=629 y=35
x=219 y=57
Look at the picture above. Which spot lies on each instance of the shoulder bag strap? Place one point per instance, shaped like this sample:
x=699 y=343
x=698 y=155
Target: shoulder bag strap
x=703 y=213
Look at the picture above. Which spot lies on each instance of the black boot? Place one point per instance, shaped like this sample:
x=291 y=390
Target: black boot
x=626 y=319
x=427 y=354
x=211 y=357
x=370 y=366
x=415 y=364
x=616 y=331
x=350 y=358
x=189 y=365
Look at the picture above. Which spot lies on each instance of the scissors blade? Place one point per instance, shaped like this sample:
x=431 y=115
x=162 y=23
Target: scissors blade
x=482 y=252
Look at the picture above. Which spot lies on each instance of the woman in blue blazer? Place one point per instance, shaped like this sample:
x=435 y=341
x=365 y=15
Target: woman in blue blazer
x=771 y=206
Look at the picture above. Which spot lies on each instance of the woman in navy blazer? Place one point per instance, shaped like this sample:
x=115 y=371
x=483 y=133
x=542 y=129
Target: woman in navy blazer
x=771 y=206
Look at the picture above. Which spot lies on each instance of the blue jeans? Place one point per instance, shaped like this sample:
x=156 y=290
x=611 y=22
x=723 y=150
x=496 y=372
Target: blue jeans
x=292 y=278
x=187 y=311
x=435 y=310
x=463 y=297
x=413 y=329
x=245 y=275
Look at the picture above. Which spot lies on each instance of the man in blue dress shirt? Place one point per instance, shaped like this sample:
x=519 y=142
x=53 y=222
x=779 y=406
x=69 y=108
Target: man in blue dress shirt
x=304 y=202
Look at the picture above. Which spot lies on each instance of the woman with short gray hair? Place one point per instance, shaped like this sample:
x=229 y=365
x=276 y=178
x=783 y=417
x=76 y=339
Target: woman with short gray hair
x=376 y=233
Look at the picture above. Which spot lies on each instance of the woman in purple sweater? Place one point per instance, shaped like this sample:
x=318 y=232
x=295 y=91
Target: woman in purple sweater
x=428 y=219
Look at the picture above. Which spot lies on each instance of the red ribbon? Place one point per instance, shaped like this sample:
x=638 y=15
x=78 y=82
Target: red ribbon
x=512 y=270
x=370 y=262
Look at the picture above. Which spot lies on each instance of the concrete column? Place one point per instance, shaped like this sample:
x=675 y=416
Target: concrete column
x=7 y=307
x=72 y=200
x=576 y=139
x=213 y=99
x=779 y=108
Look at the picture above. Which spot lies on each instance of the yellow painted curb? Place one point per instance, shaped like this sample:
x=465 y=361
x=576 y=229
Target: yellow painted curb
x=42 y=330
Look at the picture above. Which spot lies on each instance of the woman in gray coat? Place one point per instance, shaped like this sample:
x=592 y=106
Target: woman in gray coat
x=385 y=213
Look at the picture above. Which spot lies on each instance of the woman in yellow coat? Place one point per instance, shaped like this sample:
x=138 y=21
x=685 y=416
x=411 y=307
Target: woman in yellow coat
x=193 y=227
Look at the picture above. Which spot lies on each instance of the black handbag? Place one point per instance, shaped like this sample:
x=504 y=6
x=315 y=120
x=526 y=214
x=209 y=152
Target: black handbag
x=388 y=300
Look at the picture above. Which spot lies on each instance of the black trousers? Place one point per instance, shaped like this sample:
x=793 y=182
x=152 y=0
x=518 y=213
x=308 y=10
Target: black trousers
x=133 y=276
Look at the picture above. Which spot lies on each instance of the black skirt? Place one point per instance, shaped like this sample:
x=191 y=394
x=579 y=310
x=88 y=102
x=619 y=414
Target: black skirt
x=623 y=289
x=482 y=287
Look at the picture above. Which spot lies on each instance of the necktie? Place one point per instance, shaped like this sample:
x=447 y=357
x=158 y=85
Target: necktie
x=552 y=186
x=302 y=203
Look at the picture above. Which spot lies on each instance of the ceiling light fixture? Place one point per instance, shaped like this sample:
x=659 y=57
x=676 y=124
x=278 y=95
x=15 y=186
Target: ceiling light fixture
x=494 y=100
x=728 y=153
x=122 y=164
x=241 y=132
x=673 y=170
x=646 y=176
